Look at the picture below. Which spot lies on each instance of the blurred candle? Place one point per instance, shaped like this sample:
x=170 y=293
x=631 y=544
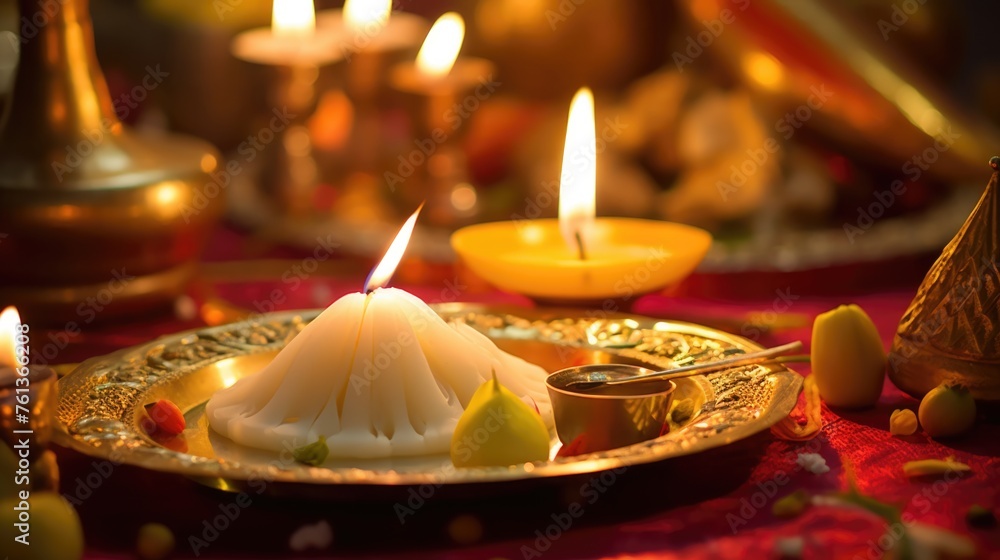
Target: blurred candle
x=436 y=81
x=292 y=40
x=366 y=17
x=438 y=71
x=10 y=323
x=441 y=47
x=292 y=18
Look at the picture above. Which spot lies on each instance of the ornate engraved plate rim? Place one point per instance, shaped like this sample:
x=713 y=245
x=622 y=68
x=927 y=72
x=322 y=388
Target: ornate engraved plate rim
x=99 y=399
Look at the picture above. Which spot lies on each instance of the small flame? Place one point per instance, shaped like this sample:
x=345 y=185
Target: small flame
x=381 y=274
x=366 y=16
x=440 y=48
x=10 y=326
x=293 y=17
x=578 y=182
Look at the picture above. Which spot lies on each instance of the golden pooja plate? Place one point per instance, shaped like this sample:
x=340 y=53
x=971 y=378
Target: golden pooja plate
x=101 y=402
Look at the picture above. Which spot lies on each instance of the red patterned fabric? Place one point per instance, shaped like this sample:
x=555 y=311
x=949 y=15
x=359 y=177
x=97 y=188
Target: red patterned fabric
x=715 y=505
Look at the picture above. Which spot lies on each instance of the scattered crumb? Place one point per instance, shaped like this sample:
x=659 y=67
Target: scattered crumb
x=903 y=422
x=318 y=536
x=812 y=462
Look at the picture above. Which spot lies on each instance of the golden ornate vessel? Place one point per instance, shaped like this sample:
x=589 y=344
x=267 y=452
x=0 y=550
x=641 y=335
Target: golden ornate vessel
x=101 y=402
x=90 y=211
x=951 y=332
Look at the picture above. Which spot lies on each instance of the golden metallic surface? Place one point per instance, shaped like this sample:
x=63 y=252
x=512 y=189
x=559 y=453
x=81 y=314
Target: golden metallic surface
x=951 y=332
x=101 y=401
x=614 y=416
x=83 y=200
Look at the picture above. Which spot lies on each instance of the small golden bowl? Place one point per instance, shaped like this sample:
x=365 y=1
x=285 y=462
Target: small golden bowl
x=612 y=416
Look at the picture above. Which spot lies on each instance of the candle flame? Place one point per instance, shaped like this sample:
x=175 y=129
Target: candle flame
x=293 y=17
x=578 y=182
x=368 y=16
x=10 y=326
x=382 y=273
x=440 y=49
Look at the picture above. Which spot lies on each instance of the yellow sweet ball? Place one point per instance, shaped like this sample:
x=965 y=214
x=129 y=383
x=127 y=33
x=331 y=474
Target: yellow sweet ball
x=947 y=410
x=848 y=359
x=43 y=527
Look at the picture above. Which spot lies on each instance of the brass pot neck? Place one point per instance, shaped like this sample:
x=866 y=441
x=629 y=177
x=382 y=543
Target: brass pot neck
x=59 y=90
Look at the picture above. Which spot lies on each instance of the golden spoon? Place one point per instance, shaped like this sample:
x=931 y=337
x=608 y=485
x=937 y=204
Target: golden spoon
x=687 y=371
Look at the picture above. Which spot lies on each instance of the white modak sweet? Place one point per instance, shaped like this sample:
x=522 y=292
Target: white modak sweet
x=377 y=375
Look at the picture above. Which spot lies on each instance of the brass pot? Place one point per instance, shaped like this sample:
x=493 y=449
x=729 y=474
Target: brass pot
x=95 y=220
x=951 y=331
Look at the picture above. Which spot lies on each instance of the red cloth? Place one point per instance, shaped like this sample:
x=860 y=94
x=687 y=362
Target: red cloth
x=713 y=505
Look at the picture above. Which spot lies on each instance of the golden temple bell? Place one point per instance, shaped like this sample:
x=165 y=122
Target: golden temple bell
x=96 y=221
x=951 y=332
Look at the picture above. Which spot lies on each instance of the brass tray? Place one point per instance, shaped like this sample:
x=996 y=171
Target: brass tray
x=100 y=404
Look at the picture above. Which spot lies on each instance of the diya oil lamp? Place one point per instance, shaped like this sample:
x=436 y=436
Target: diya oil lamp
x=27 y=392
x=578 y=257
x=293 y=48
x=437 y=82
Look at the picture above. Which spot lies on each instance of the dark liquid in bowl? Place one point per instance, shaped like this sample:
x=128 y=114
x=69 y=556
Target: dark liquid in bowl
x=636 y=389
x=563 y=381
